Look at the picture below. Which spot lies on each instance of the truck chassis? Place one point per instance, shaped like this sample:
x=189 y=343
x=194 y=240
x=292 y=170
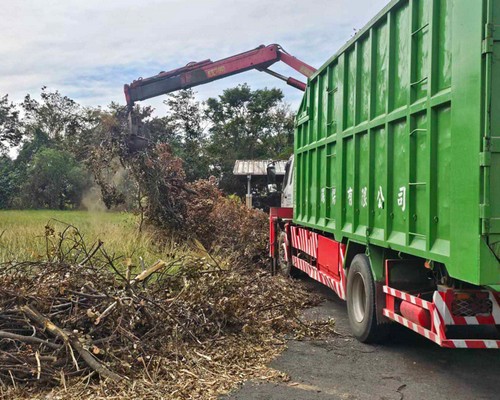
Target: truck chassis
x=448 y=316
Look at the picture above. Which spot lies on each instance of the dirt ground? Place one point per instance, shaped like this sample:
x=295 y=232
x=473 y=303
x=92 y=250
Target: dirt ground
x=408 y=367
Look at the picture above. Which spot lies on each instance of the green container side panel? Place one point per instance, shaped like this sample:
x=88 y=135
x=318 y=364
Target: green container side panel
x=398 y=137
x=491 y=143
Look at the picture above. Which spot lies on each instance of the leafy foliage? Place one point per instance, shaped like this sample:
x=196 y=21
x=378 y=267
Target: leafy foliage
x=7 y=181
x=55 y=180
x=58 y=116
x=186 y=120
x=10 y=125
x=203 y=139
x=247 y=124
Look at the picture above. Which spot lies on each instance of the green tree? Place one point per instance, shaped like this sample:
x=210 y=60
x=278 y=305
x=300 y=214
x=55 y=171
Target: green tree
x=38 y=140
x=247 y=124
x=10 y=125
x=55 y=180
x=8 y=187
x=53 y=128
x=186 y=120
x=58 y=116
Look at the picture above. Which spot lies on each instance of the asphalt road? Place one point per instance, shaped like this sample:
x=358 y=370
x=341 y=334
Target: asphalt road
x=408 y=367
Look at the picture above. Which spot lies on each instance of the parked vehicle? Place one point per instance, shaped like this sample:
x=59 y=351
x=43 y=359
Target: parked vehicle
x=397 y=175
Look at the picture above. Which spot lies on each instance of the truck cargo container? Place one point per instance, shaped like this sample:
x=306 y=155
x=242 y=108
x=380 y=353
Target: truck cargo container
x=396 y=202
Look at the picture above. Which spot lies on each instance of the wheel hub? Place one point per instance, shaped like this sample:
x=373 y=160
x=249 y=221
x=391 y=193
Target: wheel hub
x=358 y=298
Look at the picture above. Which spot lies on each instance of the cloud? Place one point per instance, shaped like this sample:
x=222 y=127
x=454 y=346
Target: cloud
x=89 y=49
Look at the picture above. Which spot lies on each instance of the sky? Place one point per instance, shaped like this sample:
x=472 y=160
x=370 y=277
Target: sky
x=88 y=49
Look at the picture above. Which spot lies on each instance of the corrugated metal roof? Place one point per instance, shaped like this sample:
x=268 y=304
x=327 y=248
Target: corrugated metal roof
x=257 y=167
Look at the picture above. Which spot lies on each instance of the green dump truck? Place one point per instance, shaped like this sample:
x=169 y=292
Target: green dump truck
x=396 y=174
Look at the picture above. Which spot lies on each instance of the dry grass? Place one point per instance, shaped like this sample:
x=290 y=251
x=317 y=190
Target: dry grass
x=22 y=234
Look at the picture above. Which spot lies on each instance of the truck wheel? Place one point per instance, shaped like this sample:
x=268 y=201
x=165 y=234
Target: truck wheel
x=361 y=306
x=285 y=268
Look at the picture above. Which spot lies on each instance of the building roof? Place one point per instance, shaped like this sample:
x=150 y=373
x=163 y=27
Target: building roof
x=257 y=167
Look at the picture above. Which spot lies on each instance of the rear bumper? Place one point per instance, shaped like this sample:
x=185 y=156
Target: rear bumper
x=442 y=318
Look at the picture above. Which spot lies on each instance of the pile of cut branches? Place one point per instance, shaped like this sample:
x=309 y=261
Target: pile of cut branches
x=190 y=209
x=221 y=222
x=199 y=209
x=190 y=326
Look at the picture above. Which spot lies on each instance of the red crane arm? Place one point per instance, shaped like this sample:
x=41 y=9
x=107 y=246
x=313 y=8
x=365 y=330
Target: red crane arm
x=206 y=71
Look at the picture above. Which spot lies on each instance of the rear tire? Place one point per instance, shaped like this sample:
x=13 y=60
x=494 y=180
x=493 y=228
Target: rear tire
x=361 y=302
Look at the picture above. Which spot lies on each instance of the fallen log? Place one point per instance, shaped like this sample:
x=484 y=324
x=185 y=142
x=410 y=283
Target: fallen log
x=71 y=341
x=28 y=339
x=147 y=273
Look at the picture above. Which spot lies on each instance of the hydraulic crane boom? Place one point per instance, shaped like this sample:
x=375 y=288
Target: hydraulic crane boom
x=198 y=73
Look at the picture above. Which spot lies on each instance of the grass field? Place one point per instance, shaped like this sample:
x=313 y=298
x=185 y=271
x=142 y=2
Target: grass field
x=22 y=234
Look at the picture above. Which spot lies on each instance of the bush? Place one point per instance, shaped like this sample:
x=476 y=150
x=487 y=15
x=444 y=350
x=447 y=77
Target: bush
x=225 y=223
